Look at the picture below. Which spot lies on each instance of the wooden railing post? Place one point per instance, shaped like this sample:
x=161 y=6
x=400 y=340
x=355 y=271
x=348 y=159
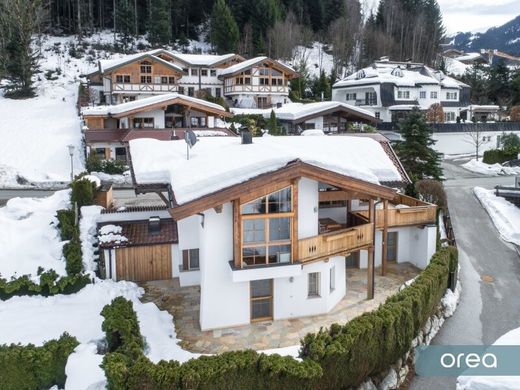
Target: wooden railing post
x=370 y=268
x=384 y=238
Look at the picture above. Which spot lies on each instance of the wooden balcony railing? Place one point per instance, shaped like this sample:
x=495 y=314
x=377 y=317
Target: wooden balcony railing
x=335 y=243
x=131 y=87
x=417 y=213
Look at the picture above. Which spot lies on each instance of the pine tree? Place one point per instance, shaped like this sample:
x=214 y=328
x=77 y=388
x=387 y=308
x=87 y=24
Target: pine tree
x=125 y=25
x=418 y=157
x=159 y=31
x=272 y=125
x=19 y=20
x=224 y=33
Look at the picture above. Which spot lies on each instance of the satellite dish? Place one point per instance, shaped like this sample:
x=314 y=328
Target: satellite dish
x=191 y=140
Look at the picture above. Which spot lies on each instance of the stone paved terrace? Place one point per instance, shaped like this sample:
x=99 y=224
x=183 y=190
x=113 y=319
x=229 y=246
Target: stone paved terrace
x=183 y=304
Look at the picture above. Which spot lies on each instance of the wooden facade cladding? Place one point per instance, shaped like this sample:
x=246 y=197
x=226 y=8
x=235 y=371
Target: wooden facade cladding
x=417 y=213
x=339 y=242
x=143 y=263
x=134 y=71
x=290 y=172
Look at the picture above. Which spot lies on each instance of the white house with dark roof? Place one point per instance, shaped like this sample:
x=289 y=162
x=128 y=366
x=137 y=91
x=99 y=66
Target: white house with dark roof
x=391 y=89
x=268 y=228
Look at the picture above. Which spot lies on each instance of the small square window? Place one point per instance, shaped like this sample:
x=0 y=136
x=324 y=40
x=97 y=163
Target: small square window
x=190 y=259
x=213 y=72
x=194 y=72
x=203 y=72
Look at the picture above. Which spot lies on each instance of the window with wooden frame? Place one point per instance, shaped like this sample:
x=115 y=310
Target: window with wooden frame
x=167 y=80
x=122 y=78
x=266 y=225
x=146 y=79
x=144 y=123
x=261 y=295
x=190 y=259
x=146 y=67
x=313 y=284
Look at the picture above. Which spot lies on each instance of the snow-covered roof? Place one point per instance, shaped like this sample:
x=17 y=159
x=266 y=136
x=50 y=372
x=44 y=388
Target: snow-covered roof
x=406 y=107
x=296 y=111
x=202 y=59
x=220 y=162
x=480 y=107
x=107 y=65
x=400 y=75
x=251 y=62
x=148 y=101
x=468 y=57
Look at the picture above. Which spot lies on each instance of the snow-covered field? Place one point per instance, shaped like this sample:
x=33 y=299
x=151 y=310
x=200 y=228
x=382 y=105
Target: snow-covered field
x=28 y=237
x=490 y=169
x=505 y=215
x=493 y=382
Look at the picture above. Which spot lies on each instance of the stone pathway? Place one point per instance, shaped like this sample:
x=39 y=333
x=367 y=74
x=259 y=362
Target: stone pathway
x=183 y=304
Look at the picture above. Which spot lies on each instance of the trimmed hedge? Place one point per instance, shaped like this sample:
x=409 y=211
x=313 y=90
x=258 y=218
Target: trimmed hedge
x=30 y=367
x=126 y=367
x=498 y=156
x=49 y=285
x=342 y=356
x=66 y=223
x=373 y=341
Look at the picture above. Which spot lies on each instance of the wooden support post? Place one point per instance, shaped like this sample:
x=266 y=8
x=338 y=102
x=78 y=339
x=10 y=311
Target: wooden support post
x=349 y=210
x=294 y=233
x=237 y=234
x=385 y=237
x=370 y=268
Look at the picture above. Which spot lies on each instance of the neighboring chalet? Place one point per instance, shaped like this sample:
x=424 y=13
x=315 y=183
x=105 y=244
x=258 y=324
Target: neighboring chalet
x=392 y=89
x=267 y=229
x=258 y=82
x=164 y=117
x=331 y=117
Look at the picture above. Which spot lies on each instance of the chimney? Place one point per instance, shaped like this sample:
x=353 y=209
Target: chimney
x=154 y=225
x=247 y=137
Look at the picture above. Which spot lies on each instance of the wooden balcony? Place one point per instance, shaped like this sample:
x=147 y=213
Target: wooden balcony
x=335 y=243
x=143 y=88
x=248 y=88
x=405 y=211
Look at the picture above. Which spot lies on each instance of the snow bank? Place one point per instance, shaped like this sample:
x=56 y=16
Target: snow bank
x=504 y=214
x=490 y=169
x=83 y=370
x=217 y=163
x=28 y=235
x=493 y=382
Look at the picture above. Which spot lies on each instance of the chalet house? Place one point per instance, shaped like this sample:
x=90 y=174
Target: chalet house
x=109 y=128
x=330 y=117
x=391 y=89
x=268 y=228
x=258 y=82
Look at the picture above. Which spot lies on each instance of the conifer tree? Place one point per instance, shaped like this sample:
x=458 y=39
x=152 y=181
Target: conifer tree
x=418 y=157
x=159 y=26
x=224 y=32
x=125 y=26
x=272 y=125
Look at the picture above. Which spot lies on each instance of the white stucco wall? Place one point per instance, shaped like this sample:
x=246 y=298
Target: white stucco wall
x=461 y=143
x=308 y=202
x=222 y=302
x=157 y=115
x=291 y=295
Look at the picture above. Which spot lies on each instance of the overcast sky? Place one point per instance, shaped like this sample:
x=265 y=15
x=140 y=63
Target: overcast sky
x=477 y=15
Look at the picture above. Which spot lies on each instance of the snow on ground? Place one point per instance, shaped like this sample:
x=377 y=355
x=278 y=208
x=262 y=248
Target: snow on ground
x=455 y=67
x=490 y=169
x=314 y=57
x=493 y=382
x=35 y=132
x=117 y=180
x=28 y=237
x=504 y=214
x=83 y=370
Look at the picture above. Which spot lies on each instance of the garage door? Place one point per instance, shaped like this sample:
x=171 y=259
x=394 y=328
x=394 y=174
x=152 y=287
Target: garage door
x=144 y=263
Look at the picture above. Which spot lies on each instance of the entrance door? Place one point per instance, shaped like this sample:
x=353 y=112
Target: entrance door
x=261 y=300
x=391 y=251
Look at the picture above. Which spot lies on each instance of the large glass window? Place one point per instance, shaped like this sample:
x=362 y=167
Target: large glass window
x=266 y=232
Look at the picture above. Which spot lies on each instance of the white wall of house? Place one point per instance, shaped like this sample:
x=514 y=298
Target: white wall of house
x=157 y=115
x=291 y=298
x=461 y=143
x=308 y=203
x=223 y=303
x=188 y=233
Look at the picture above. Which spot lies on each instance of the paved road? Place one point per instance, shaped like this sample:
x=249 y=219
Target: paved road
x=123 y=197
x=487 y=309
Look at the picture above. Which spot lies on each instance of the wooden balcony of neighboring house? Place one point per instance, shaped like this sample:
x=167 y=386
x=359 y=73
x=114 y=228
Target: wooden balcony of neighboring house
x=404 y=211
x=143 y=88
x=248 y=88
x=336 y=239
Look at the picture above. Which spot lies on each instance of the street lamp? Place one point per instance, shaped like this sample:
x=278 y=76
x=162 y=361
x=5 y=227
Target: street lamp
x=71 y=154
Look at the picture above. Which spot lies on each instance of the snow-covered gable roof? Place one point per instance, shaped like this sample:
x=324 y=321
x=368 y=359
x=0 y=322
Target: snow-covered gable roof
x=296 y=111
x=108 y=65
x=400 y=75
x=252 y=62
x=143 y=103
x=202 y=59
x=469 y=57
x=218 y=163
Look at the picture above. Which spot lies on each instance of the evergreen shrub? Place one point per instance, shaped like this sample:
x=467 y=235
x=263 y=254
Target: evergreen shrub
x=498 y=156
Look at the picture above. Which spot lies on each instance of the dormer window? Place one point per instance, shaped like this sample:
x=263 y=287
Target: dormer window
x=397 y=72
x=360 y=74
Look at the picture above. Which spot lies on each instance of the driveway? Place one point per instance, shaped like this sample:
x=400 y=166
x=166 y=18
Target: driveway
x=490 y=272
